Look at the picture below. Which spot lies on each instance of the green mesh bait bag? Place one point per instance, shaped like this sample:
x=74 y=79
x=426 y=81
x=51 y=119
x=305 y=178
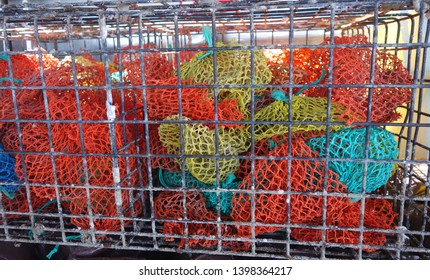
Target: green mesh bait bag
x=350 y=143
x=305 y=109
x=233 y=68
x=200 y=140
x=174 y=179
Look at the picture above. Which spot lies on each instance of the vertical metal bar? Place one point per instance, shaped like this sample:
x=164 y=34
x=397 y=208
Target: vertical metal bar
x=217 y=140
x=111 y=116
x=408 y=152
x=81 y=134
x=252 y=48
x=124 y=126
x=147 y=139
x=181 y=129
x=396 y=49
x=326 y=168
x=411 y=39
x=368 y=124
x=6 y=48
x=423 y=72
x=290 y=120
x=51 y=145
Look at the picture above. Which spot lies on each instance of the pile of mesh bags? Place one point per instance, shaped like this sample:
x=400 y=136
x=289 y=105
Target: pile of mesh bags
x=272 y=193
x=216 y=165
x=57 y=127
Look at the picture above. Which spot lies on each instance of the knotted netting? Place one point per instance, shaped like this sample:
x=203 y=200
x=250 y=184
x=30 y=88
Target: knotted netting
x=196 y=103
x=305 y=208
x=304 y=109
x=174 y=179
x=156 y=65
x=104 y=207
x=233 y=68
x=22 y=66
x=350 y=143
x=279 y=63
x=272 y=175
x=202 y=223
x=352 y=66
x=378 y=214
x=68 y=107
x=20 y=207
x=200 y=140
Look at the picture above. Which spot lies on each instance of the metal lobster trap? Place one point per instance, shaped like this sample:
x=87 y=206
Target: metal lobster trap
x=282 y=129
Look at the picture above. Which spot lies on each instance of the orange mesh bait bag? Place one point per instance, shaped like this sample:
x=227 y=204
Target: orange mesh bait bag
x=19 y=204
x=66 y=138
x=104 y=207
x=233 y=68
x=378 y=214
x=170 y=205
x=197 y=104
x=272 y=175
x=156 y=65
x=352 y=65
x=22 y=66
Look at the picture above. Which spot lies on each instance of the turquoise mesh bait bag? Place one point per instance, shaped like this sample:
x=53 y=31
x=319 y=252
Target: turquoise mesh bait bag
x=350 y=143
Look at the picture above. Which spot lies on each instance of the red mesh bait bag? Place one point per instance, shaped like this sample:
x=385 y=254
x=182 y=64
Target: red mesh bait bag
x=170 y=205
x=20 y=204
x=22 y=66
x=197 y=103
x=272 y=175
x=352 y=66
x=156 y=64
x=378 y=214
x=103 y=207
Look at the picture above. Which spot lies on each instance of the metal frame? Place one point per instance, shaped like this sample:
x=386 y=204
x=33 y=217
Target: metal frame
x=173 y=24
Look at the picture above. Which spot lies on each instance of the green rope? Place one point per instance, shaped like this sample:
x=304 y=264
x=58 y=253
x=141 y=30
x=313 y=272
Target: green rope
x=30 y=233
x=7 y=194
x=313 y=83
x=279 y=95
x=207 y=33
x=272 y=144
x=55 y=249
x=161 y=177
x=19 y=82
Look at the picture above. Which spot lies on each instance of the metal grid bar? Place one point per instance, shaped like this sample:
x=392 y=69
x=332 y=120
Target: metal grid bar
x=162 y=31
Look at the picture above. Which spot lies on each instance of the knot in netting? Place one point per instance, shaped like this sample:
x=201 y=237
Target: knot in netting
x=351 y=144
x=233 y=68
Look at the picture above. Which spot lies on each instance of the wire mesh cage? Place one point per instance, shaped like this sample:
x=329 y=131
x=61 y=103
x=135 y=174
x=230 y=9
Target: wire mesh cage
x=281 y=129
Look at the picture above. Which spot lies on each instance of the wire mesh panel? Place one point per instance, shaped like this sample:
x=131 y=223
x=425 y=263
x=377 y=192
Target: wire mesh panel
x=282 y=129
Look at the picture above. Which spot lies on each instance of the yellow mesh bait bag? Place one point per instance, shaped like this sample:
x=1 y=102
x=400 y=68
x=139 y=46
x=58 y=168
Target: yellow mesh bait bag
x=233 y=68
x=305 y=109
x=200 y=140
